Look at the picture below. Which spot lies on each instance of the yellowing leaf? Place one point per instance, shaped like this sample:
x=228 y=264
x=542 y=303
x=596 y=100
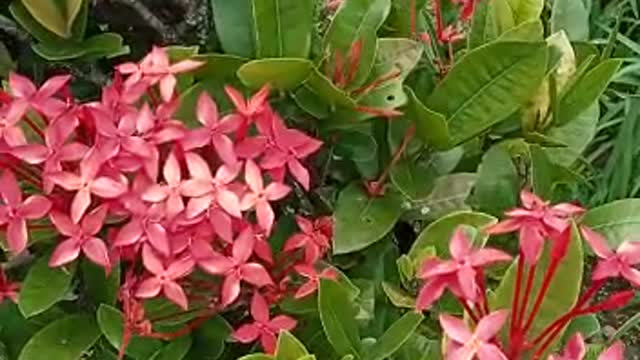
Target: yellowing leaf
x=55 y=15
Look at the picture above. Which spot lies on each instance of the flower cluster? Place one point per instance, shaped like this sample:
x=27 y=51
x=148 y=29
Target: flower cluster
x=186 y=212
x=537 y=223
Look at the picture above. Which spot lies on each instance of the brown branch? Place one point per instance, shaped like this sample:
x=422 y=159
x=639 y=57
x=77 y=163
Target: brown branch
x=168 y=34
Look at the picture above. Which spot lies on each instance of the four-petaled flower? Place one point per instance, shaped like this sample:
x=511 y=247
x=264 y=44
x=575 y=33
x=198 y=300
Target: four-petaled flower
x=172 y=191
x=164 y=277
x=264 y=328
x=15 y=212
x=259 y=197
x=575 y=349
x=313 y=277
x=314 y=238
x=26 y=95
x=466 y=344
x=613 y=263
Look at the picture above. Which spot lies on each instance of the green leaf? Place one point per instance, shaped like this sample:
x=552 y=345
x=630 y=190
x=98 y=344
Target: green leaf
x=320 y=85
x=209 y=339
x=618 y=221
x=397 y=296
x=280 y=73
x=577 y=134
x=64 y=339
x=586 y=90
x=531 y=30
x=234 y=24
x=449 y=194
x=543 y=172
x=110 y=321
x=362 y=220
x=571 y=16
x=256 y=357
x=6 y=63
x=563 y=291
x=395 y=336
x=628 y=325
x=526 y=10
x=100 y=287
x=338 y=318
x=587 y=325
x=105 y=45
x=27 y=21
x=438 y=234
x=490 y=20
x=56 y=16
x=431 y=127
x=419 y=347
x=355 y=145
x=487 y=85
x=283 y=27
x=43 y=287
x=358 y=20
x=175 y=350
x=289 y=348
x=498 y=184
x=218 y=66
x=414 y=178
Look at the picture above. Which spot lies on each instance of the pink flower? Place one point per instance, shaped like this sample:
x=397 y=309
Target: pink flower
x=145 y=225
x=465 y=261
x=8 y=290
x=313 y=239
x=313 y=277
x=615 y=352
x=574 y=350
x=80 y=237
x=290 y=145
x=42 y=100
x=172 y=191
x=215 y=130
x=114 y=138
x=263 y=327
x=10 y=132
x=155 y=68
x=15 y=212
x=479 y=343
x=251 y=107
x=535 y=221
x=87 y=183
x=237 y=267
x=613 y=264
x=259 y=197
x=164 y=278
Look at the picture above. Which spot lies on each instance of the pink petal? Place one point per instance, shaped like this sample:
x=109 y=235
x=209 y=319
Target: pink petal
x=246 y=333
x=255 y=274
x=66 y=180
x=230 y=289
x=21 y=86
x=157 y=237
x=137 y=146
x=259 y=308
x=236 y=98
x=129 y=234
x=216 y=265
x=455 y=328
x=490 y=325
x=467 y=281
x=80 y=204
x=17 y=235
x=490 y=352
x=503 y=227
x=65 y=252
x=486 y=256
x=149 y=288
x=253 y=177
x=155 y=193
x=268 y=342
x=243 y=245
x=615 y=352
x=531 y=244
x=222 y=225
x=607 y=268
x=151 y=261
x=14 y=136
x=299 y=172
x=92 y=223
x=32 y=154
x=265 y=215
x=180 y=268
x=171 y=170
x=195 y=187
x=175 y=205
x=282 y=322
x=575 y=348
x=174 y=292
x=630 y=252
x=198 y=167
x=185 y=66
x=597 y=242
x=276 y=191
x=167 y=86
x=198 y=205
x=461 y=352
x=430 y=293
x=251 y=147
x=229 y=202
x=258 y=99
x=196 y=139
x=10 y=190
x=35 y=207
x=224 y=149
x=306 y=289
x=96 y=251
x=629 y=273
x=530 y=200
x=108 y=188
x=460 y=245
x=206 y=110
x=63 y=223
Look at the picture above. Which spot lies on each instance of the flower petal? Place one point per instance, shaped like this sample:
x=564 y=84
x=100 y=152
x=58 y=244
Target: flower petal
x=65 y=252
x=247 y=333
x=455 y=328
x=96 y=251
x=230 y=289
x=34 y=207
x=174 y=292
x=17 y=235
x=491 y=324
x=149 y=288
x=255 y=274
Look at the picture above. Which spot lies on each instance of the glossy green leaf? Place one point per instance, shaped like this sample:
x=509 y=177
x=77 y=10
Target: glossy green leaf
x=396 y=335
x=431 y=127
x=487 y=85
x=358 y=20
x=526 y=10
x=362 y=220
x=279 y=73
x=449 y=194
x=100 y=287
x=587 y=325
x=563 y=291
x=419 y=347
x=438 y=234
x=218 y=66
x=64 y=339
x=338 y=318
x=234 y=26
x=398 y=297
x=577 y=134
x=542 y=172
x=110 y=321
x=43 y=287
x=209 y=339
x=56 y=16
x=498 y=184
x=283 y=27
x=618 y=221
x=289 y=348
x=27 y=21
x=321 y=86
x=105 y=45
x=355 y=145
x=571 y=16
x=414 y=178
x=175 y=350
x=586 y=90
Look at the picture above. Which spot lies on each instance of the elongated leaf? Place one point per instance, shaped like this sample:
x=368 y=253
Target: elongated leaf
x=586 y=90
x=358 y=20
x=218 y=66
x=397 y=296
x=209 y=339
x=280 y=73
x=322 y=87
x=38 y=31
x=563 y=291
x=487 y=85
x=234 y=24
x=531 y=30
x=525 y=10
x=498 y=184
x=490 y=20
x=414 y=178
x=395 y=336
x=56 y=16
x=618 y=221
x=577 y=134
x=450 y=193
x=587 y=325
x=571 y=16
x=289 y=348
x=64 y=339
x=431 y=127
x=256 y=357
x=105 y=45
x=43 y=287
x=362 y=220
x=338 y=318
x=110 y=321
x=175 y=350
x=100 y=287
x=283 y=27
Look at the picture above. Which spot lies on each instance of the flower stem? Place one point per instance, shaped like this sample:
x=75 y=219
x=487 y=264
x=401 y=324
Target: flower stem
x=516 y=297
x=484 y=310
x=542 y=293
x=468 y=310
x=377 y=187
x=525 y=299
x=34 y=127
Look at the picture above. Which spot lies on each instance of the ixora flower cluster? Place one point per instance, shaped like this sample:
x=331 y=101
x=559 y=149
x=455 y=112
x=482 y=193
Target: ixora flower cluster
x=536 y=222
x=185 y=212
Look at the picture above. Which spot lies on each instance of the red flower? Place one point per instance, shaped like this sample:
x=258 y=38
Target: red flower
x=314 y=277
x=259 y=197
x=251 y=107
x=80 y=237
x=164 y=278
x=314 y=238
x=42 y=100
x=15 y=212
x=613 y=264
x=145 y=226
x=574 y=350
x=479 y=343
x=172 y=191
x=263 y=327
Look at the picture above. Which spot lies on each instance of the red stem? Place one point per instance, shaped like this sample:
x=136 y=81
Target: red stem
x=542 y=293
x=438 y=16
x=34 y=127
x=516 y=297
x=468 y=310
x=483 y=289
x=527 y=294
x=376 y=83
x=414 y=27
x=378 y=185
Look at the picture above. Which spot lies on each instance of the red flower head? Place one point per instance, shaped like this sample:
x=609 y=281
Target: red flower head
x=479 y=344
x=614 y=264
